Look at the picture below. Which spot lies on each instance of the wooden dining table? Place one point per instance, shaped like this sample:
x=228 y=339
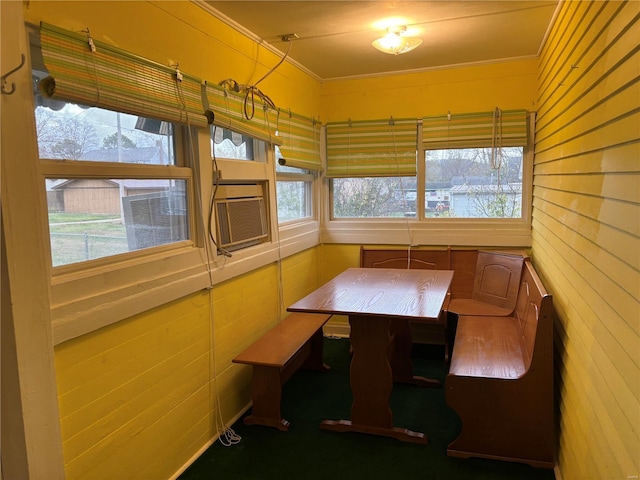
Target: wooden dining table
x=380 y=302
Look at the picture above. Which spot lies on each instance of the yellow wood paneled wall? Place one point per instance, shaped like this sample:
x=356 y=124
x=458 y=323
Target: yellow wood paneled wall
x=508 y=85
x=180 y=31
x=134 y=397
x=139 y=398
x=586 y=226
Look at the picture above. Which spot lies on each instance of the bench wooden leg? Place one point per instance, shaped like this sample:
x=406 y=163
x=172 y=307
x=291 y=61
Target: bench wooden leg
x=266 y=392
x=400 y=356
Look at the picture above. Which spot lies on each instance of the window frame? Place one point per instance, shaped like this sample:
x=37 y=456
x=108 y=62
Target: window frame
x=482 y=232
x=138 y=280
x=501 y=219
x=299 y=234
x=86 y=296
x=308 y=178
x=81 y=169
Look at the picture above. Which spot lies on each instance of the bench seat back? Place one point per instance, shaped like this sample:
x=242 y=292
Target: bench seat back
x=406 y=258
x=533 y=313
x=497 y=279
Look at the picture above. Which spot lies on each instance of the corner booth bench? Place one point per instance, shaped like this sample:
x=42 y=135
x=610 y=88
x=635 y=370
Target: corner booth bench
x=484 y=282
x=500 y=326
x=500 y=380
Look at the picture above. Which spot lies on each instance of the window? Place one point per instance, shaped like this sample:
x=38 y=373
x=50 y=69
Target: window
x=474 y=164
x=114 y=137
x=437 y=186
x=107 y=140
x=293 y=190
x=374 y=197
x=239 y=215
x=468 y=183
x=372 y=166
x=226 y=143
x=113 y=193
x=472 y=169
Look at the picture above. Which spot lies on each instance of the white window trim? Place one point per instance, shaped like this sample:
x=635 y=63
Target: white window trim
x=95 y=294
x=28 y=368
x=287 y=239
x=90 y=295
x=300 y=234
x=94 y=298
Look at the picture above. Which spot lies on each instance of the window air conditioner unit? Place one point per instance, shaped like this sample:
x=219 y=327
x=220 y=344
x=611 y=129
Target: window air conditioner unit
x=241 y=216
x=155 y=219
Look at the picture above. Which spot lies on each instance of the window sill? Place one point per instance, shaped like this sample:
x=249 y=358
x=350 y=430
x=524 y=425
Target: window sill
x=481 y=233
x=85 y=301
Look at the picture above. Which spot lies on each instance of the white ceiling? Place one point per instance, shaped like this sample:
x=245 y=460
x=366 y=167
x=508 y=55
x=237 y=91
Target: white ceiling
x=335 y=36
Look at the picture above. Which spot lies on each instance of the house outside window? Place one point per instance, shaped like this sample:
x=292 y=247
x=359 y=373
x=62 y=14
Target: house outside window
x=107 y=186
x=465 y=183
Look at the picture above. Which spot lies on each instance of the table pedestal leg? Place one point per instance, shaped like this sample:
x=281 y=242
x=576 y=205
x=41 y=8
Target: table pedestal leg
x=371 y=383
x=400 y=356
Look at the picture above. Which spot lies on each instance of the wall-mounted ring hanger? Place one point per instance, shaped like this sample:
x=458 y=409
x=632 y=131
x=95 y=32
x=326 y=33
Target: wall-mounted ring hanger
x=8 y=74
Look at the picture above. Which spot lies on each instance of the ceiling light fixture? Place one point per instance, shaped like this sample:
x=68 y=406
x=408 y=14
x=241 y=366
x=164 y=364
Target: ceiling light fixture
x=395 y=43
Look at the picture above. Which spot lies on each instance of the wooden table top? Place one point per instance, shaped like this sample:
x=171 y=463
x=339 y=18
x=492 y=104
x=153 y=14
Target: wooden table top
x=386 y=292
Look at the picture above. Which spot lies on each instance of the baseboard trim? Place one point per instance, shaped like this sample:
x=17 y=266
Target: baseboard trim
x=432 y=336
x=337 y=330
x=210 y=442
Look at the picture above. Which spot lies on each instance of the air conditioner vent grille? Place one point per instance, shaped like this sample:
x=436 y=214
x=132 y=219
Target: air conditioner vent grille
x=241 y=222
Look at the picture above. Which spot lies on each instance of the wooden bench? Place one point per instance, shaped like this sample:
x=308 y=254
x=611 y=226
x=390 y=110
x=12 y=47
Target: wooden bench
x=296 y=342
x=500 y=380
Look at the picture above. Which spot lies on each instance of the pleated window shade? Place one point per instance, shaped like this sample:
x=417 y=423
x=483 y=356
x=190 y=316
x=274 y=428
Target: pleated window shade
x=117 y=80
x=228 y=109
x=372 y=148
x=500 y=128
x=300 y=141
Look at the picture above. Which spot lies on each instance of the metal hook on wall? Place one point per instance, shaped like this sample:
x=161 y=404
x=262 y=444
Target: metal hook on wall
x=8 y=74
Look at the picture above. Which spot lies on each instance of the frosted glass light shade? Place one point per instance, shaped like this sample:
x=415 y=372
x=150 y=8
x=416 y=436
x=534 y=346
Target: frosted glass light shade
x=395 y=43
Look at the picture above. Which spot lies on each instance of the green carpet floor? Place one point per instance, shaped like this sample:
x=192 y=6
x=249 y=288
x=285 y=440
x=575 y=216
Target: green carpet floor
x=306 y=452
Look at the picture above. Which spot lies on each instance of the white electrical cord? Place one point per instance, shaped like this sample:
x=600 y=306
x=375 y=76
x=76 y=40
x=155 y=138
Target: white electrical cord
x=496 y=140
x=252 y=90
x=226 y=435
x=402 y=190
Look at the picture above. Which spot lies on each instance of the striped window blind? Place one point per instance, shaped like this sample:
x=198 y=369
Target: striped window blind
x=300 y=141
x=228 y=109
x=92 y=73
x=372 y=148
x=500 y=128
